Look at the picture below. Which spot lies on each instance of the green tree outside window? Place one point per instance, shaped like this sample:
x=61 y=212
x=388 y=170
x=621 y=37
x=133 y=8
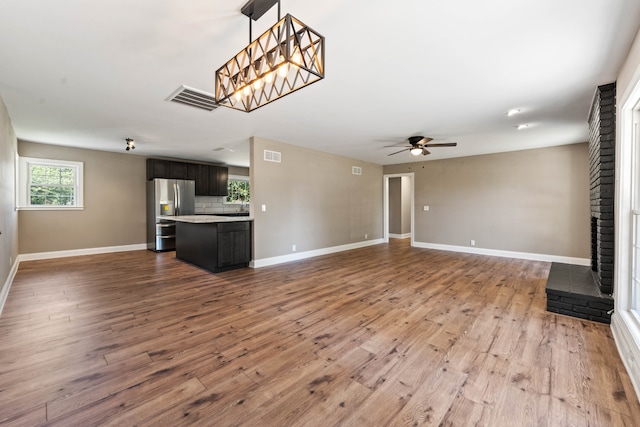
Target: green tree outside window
x=52 y=185
x=238 y=192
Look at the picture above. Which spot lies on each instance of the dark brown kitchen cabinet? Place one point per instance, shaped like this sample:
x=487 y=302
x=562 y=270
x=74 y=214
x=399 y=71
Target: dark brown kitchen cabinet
x=200 y=174
x=218 y=177
x=223 y=180
x=157 y=168
x=234 y=244
x=211 y=180
x=178 y=170
x=217 y=246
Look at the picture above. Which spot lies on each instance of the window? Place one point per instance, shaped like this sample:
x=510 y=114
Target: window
x=635 y=263
x=49 y=184
x=635 y=215
x=238 y=191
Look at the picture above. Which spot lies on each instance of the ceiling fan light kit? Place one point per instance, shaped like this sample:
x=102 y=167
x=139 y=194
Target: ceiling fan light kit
x=419 y=144
x=287 y=57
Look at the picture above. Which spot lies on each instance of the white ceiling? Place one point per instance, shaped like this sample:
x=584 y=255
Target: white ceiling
x=92 y=73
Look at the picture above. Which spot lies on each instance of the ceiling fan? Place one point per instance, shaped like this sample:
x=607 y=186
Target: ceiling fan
x=419 y=144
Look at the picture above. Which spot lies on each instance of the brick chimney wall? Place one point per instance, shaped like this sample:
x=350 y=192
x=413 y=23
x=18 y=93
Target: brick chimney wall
x=602 y=139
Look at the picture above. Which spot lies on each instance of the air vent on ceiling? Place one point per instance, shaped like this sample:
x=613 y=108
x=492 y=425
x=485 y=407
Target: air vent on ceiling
x=194 y=97
x=272 y=156
x=356 y=170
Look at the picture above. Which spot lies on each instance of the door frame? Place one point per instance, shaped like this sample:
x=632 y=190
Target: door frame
x=385 y=197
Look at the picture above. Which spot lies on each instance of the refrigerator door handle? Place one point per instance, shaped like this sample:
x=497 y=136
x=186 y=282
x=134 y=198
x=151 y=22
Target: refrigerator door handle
x=178 y=198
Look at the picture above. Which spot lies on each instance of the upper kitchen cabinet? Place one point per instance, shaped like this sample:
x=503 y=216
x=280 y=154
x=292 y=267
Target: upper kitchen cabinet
x=157 y=168
x=178 y=170
x=200 y=174
x=218 y=177
x=210 y=180
x=223 y=180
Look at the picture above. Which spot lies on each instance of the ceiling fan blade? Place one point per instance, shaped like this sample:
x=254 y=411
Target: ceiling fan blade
x=395 y=146
x=425 y=151
x=406 y=149
x=419 y=140
x=446 y=144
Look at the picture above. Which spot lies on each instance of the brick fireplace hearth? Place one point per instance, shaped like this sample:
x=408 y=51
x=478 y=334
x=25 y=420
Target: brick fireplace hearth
x=581 y=291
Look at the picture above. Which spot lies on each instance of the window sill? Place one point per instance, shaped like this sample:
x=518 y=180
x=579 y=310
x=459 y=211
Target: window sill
x=50 y=208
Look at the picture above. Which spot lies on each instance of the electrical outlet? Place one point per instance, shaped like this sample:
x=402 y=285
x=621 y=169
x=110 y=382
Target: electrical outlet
x=293 y=248
x=10 y=261
x=366 y=236
x=473 y=243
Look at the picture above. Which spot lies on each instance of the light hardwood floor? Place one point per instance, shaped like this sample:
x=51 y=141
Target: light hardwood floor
x=385 y=335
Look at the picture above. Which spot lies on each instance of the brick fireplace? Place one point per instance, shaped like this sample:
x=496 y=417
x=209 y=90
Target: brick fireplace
x=602 y=140
x=585 y=292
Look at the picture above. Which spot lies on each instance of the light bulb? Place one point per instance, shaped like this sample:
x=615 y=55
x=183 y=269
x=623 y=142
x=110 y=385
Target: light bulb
x=283 y=70
x=269 y=77
x=257 y=84
x=416 y=151
x=238 y=95
x=247 y=90
x=296 y=58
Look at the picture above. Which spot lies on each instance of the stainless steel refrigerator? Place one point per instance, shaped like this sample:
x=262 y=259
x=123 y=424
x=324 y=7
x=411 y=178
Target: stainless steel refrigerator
x=167 y=197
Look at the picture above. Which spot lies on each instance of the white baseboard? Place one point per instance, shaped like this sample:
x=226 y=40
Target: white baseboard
x=626 y=335
x=310 y=254
x=4 y=292
x=79 y=252
x=399 y=236
x=505 y=254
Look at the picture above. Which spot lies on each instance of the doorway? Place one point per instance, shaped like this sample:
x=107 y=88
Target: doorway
x=399 y=206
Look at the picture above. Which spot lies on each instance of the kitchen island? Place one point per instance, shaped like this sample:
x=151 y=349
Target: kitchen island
x=215 y=243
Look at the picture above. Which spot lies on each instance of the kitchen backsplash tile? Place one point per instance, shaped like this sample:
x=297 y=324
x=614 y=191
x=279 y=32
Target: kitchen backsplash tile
x=212 y=205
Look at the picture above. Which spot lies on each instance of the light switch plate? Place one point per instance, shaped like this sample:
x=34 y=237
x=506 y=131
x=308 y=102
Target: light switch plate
x=425 y=208
x=264 y=208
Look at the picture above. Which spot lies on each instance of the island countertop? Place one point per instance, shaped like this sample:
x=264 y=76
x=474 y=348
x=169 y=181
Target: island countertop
x=206 y=219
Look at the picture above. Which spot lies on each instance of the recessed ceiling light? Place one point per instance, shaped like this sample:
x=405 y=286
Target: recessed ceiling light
x=524 y=126
x=513 y=112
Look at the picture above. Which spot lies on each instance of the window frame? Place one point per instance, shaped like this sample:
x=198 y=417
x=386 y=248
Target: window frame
x=23 y=182
x=237 y=178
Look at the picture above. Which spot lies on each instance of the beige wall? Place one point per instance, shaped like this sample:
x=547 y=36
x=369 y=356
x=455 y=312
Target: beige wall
x=399 y=205
x=238 y=170
x=395 y=205
x=534 y=201
x=406 y=204
x=114 y=203
x=312 y=200
x=8 y=215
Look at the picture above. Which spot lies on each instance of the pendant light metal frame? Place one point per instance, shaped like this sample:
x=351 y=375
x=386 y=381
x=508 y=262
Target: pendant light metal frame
x=285 y=58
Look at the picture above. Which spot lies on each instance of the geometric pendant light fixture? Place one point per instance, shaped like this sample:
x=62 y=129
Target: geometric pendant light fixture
x=287 y=57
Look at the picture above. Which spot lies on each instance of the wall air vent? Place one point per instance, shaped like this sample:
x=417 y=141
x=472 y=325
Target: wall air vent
x=356 y=170
x=272 y=156
x=194 y=97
